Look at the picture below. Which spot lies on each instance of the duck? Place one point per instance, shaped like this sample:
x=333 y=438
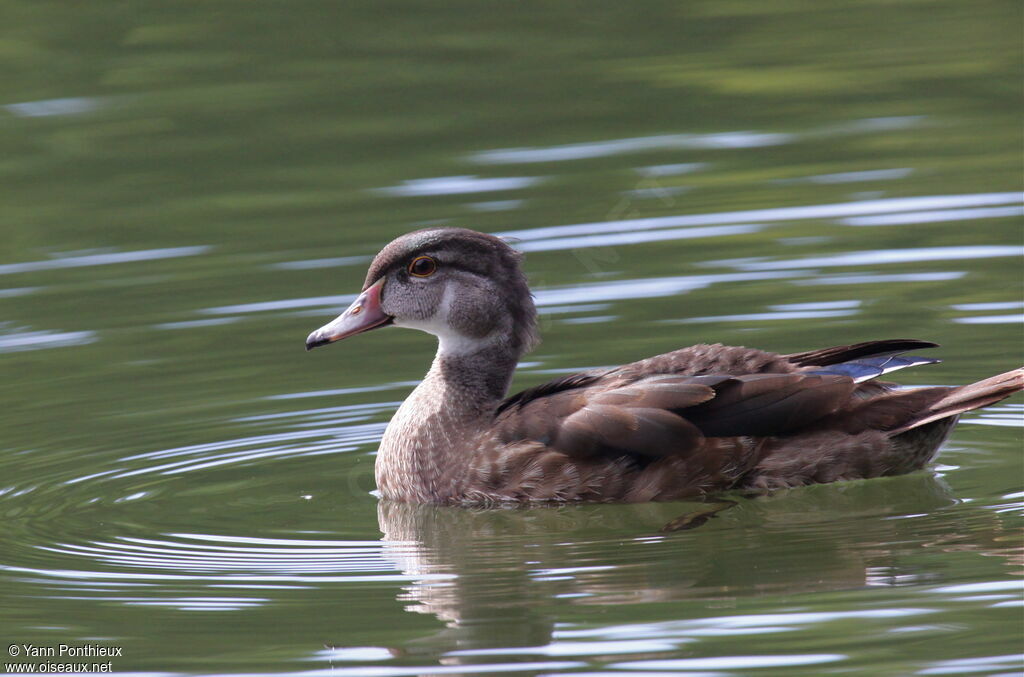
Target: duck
x=687 y=424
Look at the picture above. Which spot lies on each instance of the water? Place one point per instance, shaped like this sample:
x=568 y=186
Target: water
x=189 y=189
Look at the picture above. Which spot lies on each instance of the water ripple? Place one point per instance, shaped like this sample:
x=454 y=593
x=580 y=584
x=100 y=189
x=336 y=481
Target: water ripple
x=875 y=257
x=103 y=259
x=75 y=105
x=218 y=560
x=457 y=185
x=824 y=211
x=854 y=177
x=735 y=662
x=880 y=278
x=595 y=149
x=635 y=237
x=934 y=216
x=16 y=341
x=619 y=290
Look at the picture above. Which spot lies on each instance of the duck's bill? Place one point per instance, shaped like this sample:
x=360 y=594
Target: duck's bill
x=363 y=315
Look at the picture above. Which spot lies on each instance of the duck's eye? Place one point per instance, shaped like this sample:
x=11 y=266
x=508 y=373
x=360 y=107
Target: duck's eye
x=422 y=266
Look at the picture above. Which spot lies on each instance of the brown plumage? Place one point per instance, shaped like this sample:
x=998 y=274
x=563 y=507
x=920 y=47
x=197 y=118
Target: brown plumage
x=702 y=419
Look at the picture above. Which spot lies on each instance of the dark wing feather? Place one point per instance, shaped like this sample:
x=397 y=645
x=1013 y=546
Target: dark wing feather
x=660 y=391
x=838 y=354
x=599 y=429
x=570 y=382
x=868 y=368
x=610 y=417
x=769 y=404
x=648 y=409
x=667 y=414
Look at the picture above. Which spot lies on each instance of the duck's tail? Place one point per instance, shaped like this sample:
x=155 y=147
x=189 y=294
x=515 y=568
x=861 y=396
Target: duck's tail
x=965 y=398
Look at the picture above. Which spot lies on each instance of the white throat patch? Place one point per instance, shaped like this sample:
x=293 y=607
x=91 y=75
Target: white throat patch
x=449 y=341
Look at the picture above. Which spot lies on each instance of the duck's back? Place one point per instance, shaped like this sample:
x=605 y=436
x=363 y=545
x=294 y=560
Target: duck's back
x=710 y=418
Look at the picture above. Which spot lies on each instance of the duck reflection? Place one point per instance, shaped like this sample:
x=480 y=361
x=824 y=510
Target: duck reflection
x=497 y=578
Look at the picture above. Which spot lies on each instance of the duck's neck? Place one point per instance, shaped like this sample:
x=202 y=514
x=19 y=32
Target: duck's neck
x=425 y=448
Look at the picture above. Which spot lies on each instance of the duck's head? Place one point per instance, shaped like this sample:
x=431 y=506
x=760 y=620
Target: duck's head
x=464 y=287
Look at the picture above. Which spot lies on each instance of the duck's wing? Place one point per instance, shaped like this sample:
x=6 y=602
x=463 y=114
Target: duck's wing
x=864 y=361
x=670 y=404
x=828 y=356
x=659 y=415
x=570 y=382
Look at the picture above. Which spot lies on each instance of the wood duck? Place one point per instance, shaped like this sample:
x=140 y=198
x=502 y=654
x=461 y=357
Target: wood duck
x=688 y=423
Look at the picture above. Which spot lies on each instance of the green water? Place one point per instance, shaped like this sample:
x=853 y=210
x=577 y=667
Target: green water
x=187 y=189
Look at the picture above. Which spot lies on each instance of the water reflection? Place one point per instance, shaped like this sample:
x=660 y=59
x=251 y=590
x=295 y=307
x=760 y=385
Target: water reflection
x=784 y=311
x=506 y=567
x=824 y=211
x=309 y=264
x=520 y=589
x=637 y=237
x=880 y=278
x=81 y=260
x=578 y=295
x=55 y=107
x=935 y=216
x=454 y=185
x=670 y=170
x=19 y=339
x=854 y=177
x=596 y=149
x=664 y=142
x=877 y=257
x=495 y=205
